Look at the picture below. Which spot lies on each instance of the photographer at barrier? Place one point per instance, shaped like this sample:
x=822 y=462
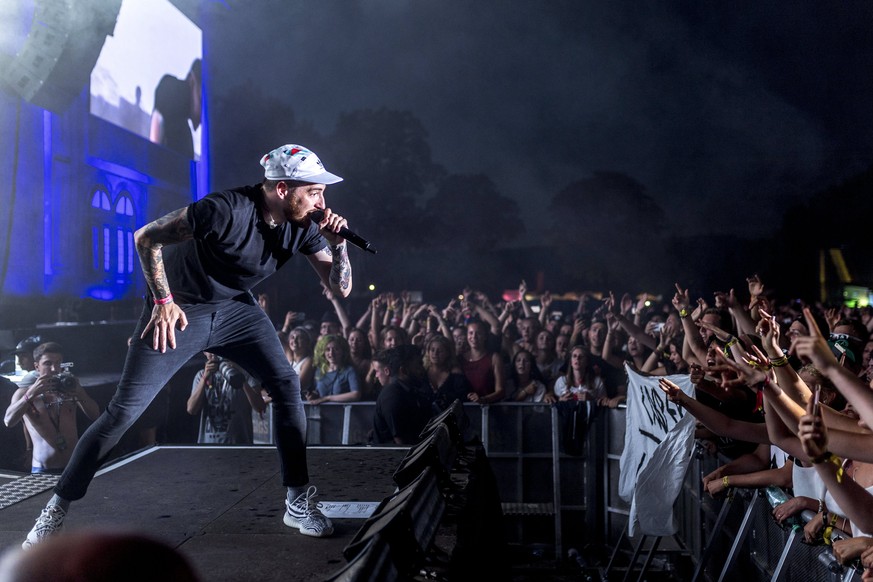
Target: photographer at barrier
x=224 y=398
x=48 y=407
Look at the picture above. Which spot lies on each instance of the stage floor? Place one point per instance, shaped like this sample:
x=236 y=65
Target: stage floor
x=222 y=507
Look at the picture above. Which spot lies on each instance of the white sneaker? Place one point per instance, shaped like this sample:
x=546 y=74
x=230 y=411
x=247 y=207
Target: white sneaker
x=304 y=514
x=49 y=522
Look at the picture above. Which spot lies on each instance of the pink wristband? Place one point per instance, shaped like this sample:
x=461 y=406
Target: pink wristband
x=165 y=300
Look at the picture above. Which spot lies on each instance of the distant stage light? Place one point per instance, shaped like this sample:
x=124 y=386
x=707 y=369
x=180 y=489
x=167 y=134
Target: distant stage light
x=371 y=287
x=648 y=303
x=460 y=297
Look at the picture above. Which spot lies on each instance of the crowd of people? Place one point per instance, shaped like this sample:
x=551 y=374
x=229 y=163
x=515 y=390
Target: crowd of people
x=782 y=388
x=472 y=350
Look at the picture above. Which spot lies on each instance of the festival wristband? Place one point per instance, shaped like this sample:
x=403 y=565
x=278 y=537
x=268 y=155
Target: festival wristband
x=779 y=362
x=828 y=457
x=165 y=300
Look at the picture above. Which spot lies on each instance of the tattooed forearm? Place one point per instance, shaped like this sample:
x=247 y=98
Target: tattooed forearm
x=150 y=239
x=341 y=269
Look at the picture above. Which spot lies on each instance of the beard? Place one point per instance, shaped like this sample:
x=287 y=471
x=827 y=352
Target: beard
x=294 y=212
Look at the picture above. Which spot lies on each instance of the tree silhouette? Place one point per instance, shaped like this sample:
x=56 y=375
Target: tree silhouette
x=251 y=123
x=608 y=232
x=385 y=160
x=468 y=213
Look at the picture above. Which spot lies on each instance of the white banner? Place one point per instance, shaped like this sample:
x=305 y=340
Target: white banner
x=650 y=416
x=660 y=480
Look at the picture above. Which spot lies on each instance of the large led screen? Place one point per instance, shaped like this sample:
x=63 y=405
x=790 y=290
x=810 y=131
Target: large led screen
x=147 y=78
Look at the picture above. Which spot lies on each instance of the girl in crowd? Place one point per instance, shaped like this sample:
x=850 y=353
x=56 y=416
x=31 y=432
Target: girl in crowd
x=443 y=373
x=361 y=355
x=360 y=351
x=299 y=351
x=483 y=368
x=580 y=382
x=335 y=377
x=525 y=379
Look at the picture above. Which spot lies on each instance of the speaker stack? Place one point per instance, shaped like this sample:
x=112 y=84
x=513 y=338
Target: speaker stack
x=444 y=522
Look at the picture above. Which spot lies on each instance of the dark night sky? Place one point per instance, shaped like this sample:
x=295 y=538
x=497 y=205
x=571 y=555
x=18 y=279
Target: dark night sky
x=724 y=111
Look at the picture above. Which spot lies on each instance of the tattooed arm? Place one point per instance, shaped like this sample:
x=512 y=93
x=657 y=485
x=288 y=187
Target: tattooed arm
x=332 y=262
x=333 y=267
x=150 y=239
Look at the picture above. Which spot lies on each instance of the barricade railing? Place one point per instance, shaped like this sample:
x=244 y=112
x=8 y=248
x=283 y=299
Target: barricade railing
x=733 y=537
x=549 y=496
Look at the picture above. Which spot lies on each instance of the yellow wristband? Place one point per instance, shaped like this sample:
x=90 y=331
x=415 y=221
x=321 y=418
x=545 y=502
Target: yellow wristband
x=835 y=460
x=726 y=482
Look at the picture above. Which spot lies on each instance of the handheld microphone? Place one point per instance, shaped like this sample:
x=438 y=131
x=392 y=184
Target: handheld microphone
x=318 y=215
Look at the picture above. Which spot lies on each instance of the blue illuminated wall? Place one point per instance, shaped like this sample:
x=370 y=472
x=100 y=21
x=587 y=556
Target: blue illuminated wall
x=73 y=188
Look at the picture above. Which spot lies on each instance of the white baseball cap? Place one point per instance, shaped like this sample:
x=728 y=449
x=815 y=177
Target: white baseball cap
x=295 y=162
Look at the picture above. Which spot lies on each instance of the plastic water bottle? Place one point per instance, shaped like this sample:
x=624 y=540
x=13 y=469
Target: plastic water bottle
x=775 y=497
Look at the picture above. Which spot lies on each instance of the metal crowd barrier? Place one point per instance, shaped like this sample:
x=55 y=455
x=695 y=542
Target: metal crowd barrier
x=729 y=538
x=549 y=496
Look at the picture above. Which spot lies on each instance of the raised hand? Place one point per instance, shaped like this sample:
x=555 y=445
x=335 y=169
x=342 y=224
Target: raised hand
x=627 y=304
x=812 y=432
x=833 y=316
x=768 y=329
x=756 y=286
x=725 y=300
x=737 y=373
x=325 y=290
x=814 y=347
x=609 y=303
x=546 y=300
x=680 y=299
x=673 y=392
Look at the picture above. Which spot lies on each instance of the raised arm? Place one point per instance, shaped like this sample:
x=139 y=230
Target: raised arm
x=692 y=337
x=719 y=423
x=854 y=500
x=441 y=321
x=341 y=314
x=362 y=322
x=612 y=331
x=545 y=308
x=636 y=331
x=522 y=291
x=815 y=348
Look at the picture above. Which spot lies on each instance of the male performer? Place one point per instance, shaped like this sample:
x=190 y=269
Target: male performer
x=200 y=263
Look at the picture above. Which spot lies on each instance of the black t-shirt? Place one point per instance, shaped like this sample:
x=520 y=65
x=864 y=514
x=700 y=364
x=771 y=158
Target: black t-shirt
x=401 y=411
x=233 y=249
x=455 y=387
